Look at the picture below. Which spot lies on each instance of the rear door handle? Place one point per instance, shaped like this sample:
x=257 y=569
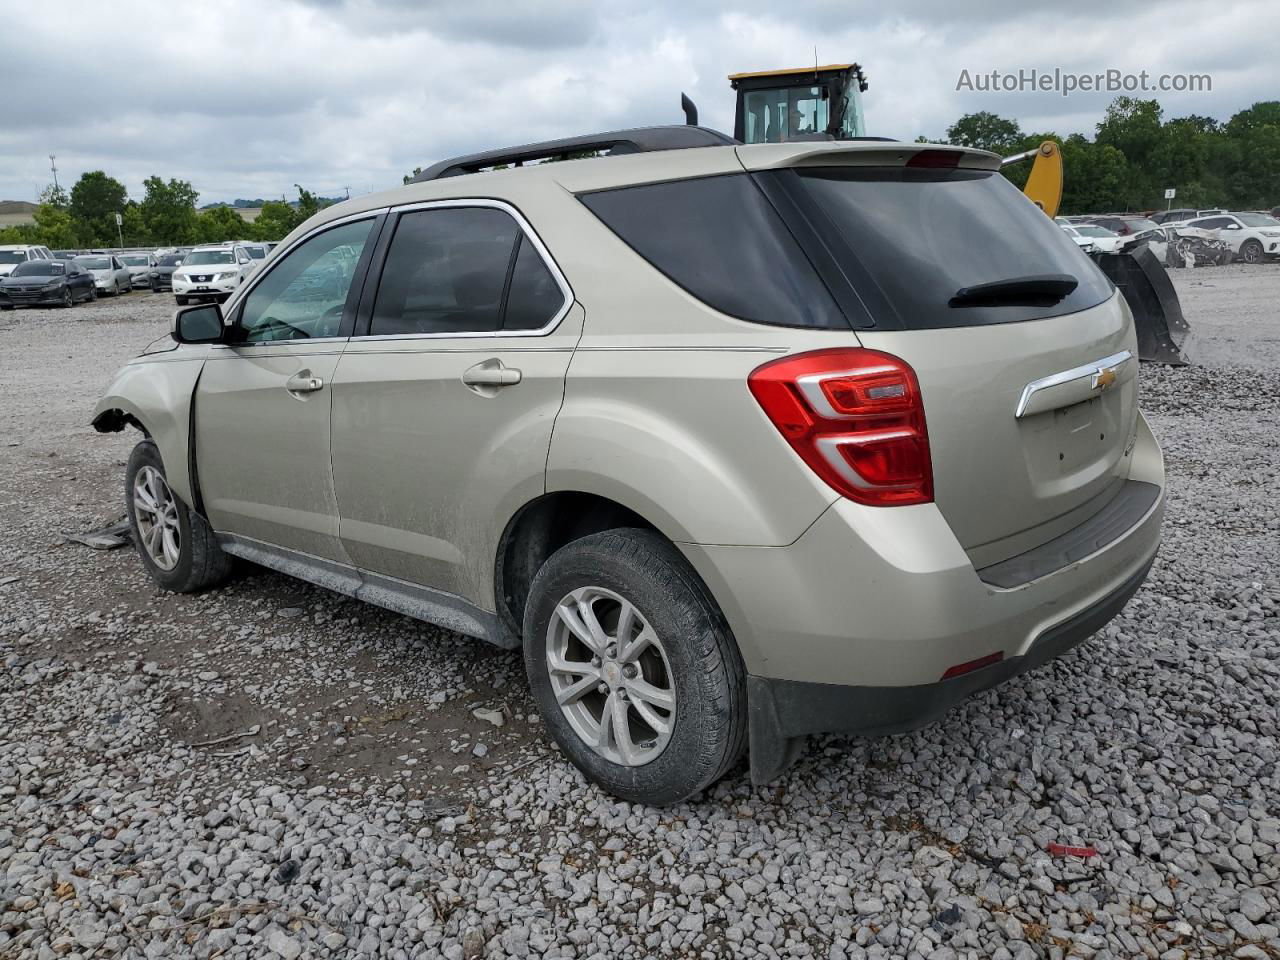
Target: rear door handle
x=304 y=382
x=491 y=373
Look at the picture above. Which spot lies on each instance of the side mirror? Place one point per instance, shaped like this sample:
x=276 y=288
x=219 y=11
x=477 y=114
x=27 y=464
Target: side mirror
x=201 y=323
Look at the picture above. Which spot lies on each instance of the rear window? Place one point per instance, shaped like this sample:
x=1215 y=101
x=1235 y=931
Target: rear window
x=721 y=240
x=909 y=239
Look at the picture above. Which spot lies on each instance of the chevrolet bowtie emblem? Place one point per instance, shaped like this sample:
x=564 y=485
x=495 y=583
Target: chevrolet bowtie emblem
x=1104 y=378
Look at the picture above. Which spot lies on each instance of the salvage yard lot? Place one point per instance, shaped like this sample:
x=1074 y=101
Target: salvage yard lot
x=272 y=770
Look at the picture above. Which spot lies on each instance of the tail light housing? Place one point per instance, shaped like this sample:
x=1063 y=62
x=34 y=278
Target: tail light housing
x=856 y=417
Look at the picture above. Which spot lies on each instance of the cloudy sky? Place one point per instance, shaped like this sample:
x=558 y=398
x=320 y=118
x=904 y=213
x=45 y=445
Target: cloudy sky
x=245 y=99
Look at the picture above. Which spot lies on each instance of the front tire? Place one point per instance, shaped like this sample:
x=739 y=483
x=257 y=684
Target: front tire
x=68 y=298
x=635 y=671
x=181 y=301
x=176 y=544
x=1251 y=252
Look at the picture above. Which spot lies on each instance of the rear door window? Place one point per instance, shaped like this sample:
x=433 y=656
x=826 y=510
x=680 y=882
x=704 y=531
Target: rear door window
x=458 y=270
x=909 y=239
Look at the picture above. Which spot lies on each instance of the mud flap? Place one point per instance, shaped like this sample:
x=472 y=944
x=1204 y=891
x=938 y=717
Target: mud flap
x=770 y=751
x=1163 y=333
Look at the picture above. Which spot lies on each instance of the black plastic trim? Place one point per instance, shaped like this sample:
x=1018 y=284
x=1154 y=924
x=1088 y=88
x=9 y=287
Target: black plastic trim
x=1132 y=502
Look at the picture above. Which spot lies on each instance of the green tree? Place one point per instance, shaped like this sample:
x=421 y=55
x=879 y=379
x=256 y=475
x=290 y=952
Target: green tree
x=56 y=196
x=218 y=224
x=95 y=200
x=135 y=229
x=986 y=131
x=169 y=210
x=1133 y=127
x=54 y=226
x=275 y=221
x=408 y=177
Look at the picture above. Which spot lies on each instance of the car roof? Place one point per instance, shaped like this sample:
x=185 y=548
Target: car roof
x=604 y=172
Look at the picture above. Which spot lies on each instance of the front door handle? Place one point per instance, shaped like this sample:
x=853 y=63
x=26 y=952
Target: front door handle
x=304 y=382
x=491 y=373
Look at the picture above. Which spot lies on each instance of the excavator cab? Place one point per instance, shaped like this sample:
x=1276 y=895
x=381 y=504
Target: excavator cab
x=806 y=103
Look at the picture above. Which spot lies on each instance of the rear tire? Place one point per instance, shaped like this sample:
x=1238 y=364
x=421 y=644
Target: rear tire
x=690 y=661
x=182 y=555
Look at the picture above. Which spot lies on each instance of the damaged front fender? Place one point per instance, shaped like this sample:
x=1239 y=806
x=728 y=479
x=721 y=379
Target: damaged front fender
x=154 y=394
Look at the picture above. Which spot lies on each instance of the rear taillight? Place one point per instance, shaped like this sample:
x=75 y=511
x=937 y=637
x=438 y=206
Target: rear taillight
x=856 y=417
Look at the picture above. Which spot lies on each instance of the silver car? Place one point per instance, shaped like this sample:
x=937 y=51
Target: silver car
x=736 y=444
x=139 y=266
x=109 y=274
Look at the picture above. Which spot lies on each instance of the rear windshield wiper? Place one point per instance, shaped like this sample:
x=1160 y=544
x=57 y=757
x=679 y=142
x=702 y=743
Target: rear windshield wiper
x=1042 y=290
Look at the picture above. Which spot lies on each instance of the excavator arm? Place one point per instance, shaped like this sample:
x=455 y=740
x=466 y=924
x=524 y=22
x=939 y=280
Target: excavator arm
x=1044 y=185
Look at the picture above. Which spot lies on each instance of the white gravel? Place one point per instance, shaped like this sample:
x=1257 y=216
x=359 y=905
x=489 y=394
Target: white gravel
x=272 y=771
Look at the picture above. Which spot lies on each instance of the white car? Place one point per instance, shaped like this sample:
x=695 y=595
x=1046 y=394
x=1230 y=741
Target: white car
x=139 y=266
x=13 y=254
x=1252 y=237
x=1081 y=241
x=1102 y=239
x=109 y=274
x=212 y=273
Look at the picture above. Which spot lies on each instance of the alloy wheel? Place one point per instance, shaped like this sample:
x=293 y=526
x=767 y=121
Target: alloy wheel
x=610 y=675
x=156 y=511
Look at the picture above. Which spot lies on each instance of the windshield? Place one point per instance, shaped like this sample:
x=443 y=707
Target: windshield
x=197 y=257
x=1257 y=220
x=134 y=261
x=39 y=268
x=94 y=263
x=170 y=261
x=1090 y=231
x=13 y=256
x=256 y=252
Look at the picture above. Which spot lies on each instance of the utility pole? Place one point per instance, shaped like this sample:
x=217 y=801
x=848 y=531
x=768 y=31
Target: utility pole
x=348 y=189
x=53 y=165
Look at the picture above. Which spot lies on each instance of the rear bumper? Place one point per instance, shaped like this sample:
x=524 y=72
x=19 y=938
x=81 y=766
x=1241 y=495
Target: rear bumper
x=853 y=626
x=783 y=712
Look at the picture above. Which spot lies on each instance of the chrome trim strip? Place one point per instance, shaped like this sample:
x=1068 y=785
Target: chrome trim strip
x=811 y=387
x=1066 y=376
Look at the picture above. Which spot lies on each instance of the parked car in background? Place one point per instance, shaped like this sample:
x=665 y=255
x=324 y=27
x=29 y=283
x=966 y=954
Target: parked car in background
x=212 y=272
x=161 y=276
x=109 y=274
x=44 y=282
x=15 y=253
x=66 y=254
x=1138 y=228
x=1179 y=215
x=139 y=266
x=827 y=517
x=1103 y=240
x=1084 y=243
x=1252 y=237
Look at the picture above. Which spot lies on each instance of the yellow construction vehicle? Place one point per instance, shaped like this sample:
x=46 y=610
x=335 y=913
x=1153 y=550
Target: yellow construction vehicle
x=1044 y=183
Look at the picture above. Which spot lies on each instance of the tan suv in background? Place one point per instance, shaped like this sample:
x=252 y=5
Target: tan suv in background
x=737 y=443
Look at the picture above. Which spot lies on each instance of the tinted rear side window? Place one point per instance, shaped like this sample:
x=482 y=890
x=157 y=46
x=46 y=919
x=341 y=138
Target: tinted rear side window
x=534 y=297
x=721 y=240
x=909 y=239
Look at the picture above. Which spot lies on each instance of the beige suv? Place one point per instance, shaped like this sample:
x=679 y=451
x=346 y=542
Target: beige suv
x=737 y=443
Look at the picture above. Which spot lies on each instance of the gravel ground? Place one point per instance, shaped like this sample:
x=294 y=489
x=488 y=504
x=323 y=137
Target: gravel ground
x=269 y=770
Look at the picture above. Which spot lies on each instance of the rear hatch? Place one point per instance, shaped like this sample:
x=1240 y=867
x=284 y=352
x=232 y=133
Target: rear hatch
x=1024 y=351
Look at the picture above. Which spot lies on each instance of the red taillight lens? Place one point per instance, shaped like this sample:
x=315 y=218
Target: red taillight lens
x=935 y=159
x=856 y=417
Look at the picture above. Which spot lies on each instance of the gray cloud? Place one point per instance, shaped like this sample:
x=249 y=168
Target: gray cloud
x=331 y=93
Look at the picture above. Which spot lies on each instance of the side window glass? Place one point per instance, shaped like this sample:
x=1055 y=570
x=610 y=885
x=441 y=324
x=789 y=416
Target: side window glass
x=304 y=294
x=535 y=297
x=445 y=272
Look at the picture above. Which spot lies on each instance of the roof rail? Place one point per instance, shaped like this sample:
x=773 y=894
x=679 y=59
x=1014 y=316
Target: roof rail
x=614 y=143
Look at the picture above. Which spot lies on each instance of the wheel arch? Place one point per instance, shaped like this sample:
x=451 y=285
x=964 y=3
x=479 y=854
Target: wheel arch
x=156 y=398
